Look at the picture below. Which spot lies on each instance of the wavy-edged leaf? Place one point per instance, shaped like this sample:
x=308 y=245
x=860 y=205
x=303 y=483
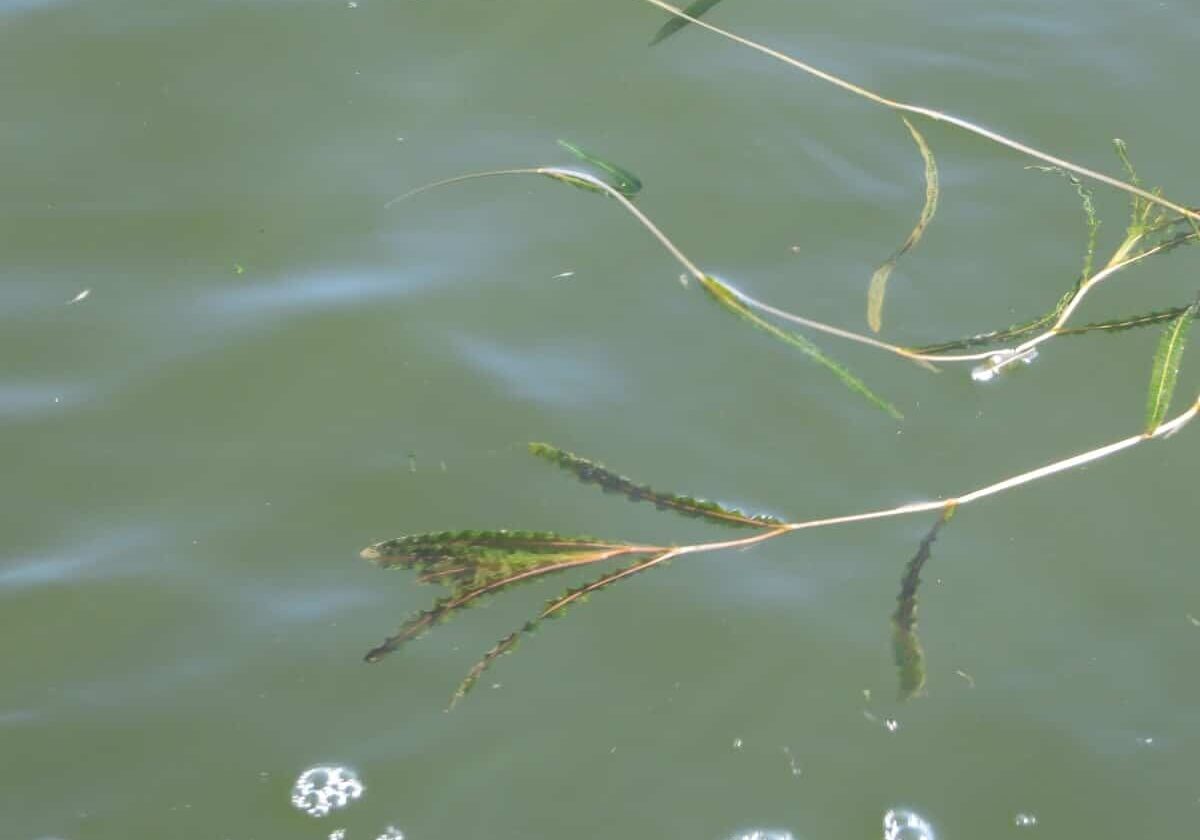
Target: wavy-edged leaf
x=591 y=472
x=1139 y=207
x=879 y=279
x=618 y=177
x=906 y=646
x=1089 y=212
x=473 y=564
x=723 y=295
x=1166 y=367
x=695 y=9
x=1130 y=322
x=554 y=608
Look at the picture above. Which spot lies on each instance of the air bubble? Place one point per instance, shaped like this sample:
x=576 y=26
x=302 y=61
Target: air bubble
x=325 y=788
x=998 y=363
x=1024 y=820
x=901 y=824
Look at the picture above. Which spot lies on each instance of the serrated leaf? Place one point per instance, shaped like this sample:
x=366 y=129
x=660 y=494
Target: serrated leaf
x=474 y=564
x=618 y=177
x=878 y=287
x=591 y=472
x=554 y=608
x=695 y=9
x=1129 y=322
x=1166 y=367
x=906 y=646
x=1089 y=212
x=1139 y=207
x=725 y=296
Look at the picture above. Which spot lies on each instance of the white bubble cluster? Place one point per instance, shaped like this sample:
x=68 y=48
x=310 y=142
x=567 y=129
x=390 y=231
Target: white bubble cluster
x=391 y=833
x=325 y=788
x=1025 y=820
x=997 y=363
x=761 y=834
x=900 y=824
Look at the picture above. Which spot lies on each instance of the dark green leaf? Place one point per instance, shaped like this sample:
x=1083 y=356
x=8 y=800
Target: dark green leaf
x=906 y=646
x=1089 y=212
x=590 y=472
x=1166 y=367
x=723 y=295
x=879 y=279
x=621 y=179
x=1139 y=207
x=696 y=9
x=1130 y=321
x=553 y=609
x=473 y=564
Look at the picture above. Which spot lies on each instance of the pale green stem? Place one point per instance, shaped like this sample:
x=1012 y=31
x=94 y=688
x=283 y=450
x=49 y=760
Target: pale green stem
x=933 y=114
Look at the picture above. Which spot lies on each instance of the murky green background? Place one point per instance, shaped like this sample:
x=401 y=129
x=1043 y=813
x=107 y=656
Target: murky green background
x=271 y=371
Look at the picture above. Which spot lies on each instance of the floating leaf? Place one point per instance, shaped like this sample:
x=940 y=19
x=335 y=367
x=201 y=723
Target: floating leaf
x=696 y=9
x=473 y=564
x=728 y=299
x=621 y=179
x=590 y=472
x=906 y=647
x=879 y=279
x=554 y=608
x=1166 y=367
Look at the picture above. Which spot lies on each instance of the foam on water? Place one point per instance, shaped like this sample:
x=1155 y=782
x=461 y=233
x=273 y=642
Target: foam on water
x=325 y=788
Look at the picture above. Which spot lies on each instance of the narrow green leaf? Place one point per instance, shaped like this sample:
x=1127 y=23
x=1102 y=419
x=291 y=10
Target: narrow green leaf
x=1138 y=206
x=1130 y=321
x=1166 y=367
x=1169 y=243
x=567 y=178
x=1089 y=211
x=554 y=608
x=723 y=295
x=696 y=9
x=906 y=646
x=879 y=279
x=474 y=564
x=621 y=179
x=591 y=472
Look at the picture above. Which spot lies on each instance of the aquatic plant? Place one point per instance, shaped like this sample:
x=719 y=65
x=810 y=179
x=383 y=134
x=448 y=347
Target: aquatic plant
x=474 y=565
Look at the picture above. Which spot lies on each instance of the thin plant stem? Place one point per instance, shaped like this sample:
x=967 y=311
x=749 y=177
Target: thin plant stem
x=924 y=359
x=1163 y=430
x=938 y=116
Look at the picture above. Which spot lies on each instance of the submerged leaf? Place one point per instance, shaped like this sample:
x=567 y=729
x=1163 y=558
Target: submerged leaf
x=621 y=179
x=879 y=279
x=1130 y=321
x=473 y=564
x=554 y=608
x=726 y=297
x=590 y=472
x=1089 y=211
x=1139 y=207
x=1166 y=367
x=906 y=647
x=696 y=9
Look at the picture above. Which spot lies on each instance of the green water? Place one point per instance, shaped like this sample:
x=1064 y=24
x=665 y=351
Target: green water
x=270 y=371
